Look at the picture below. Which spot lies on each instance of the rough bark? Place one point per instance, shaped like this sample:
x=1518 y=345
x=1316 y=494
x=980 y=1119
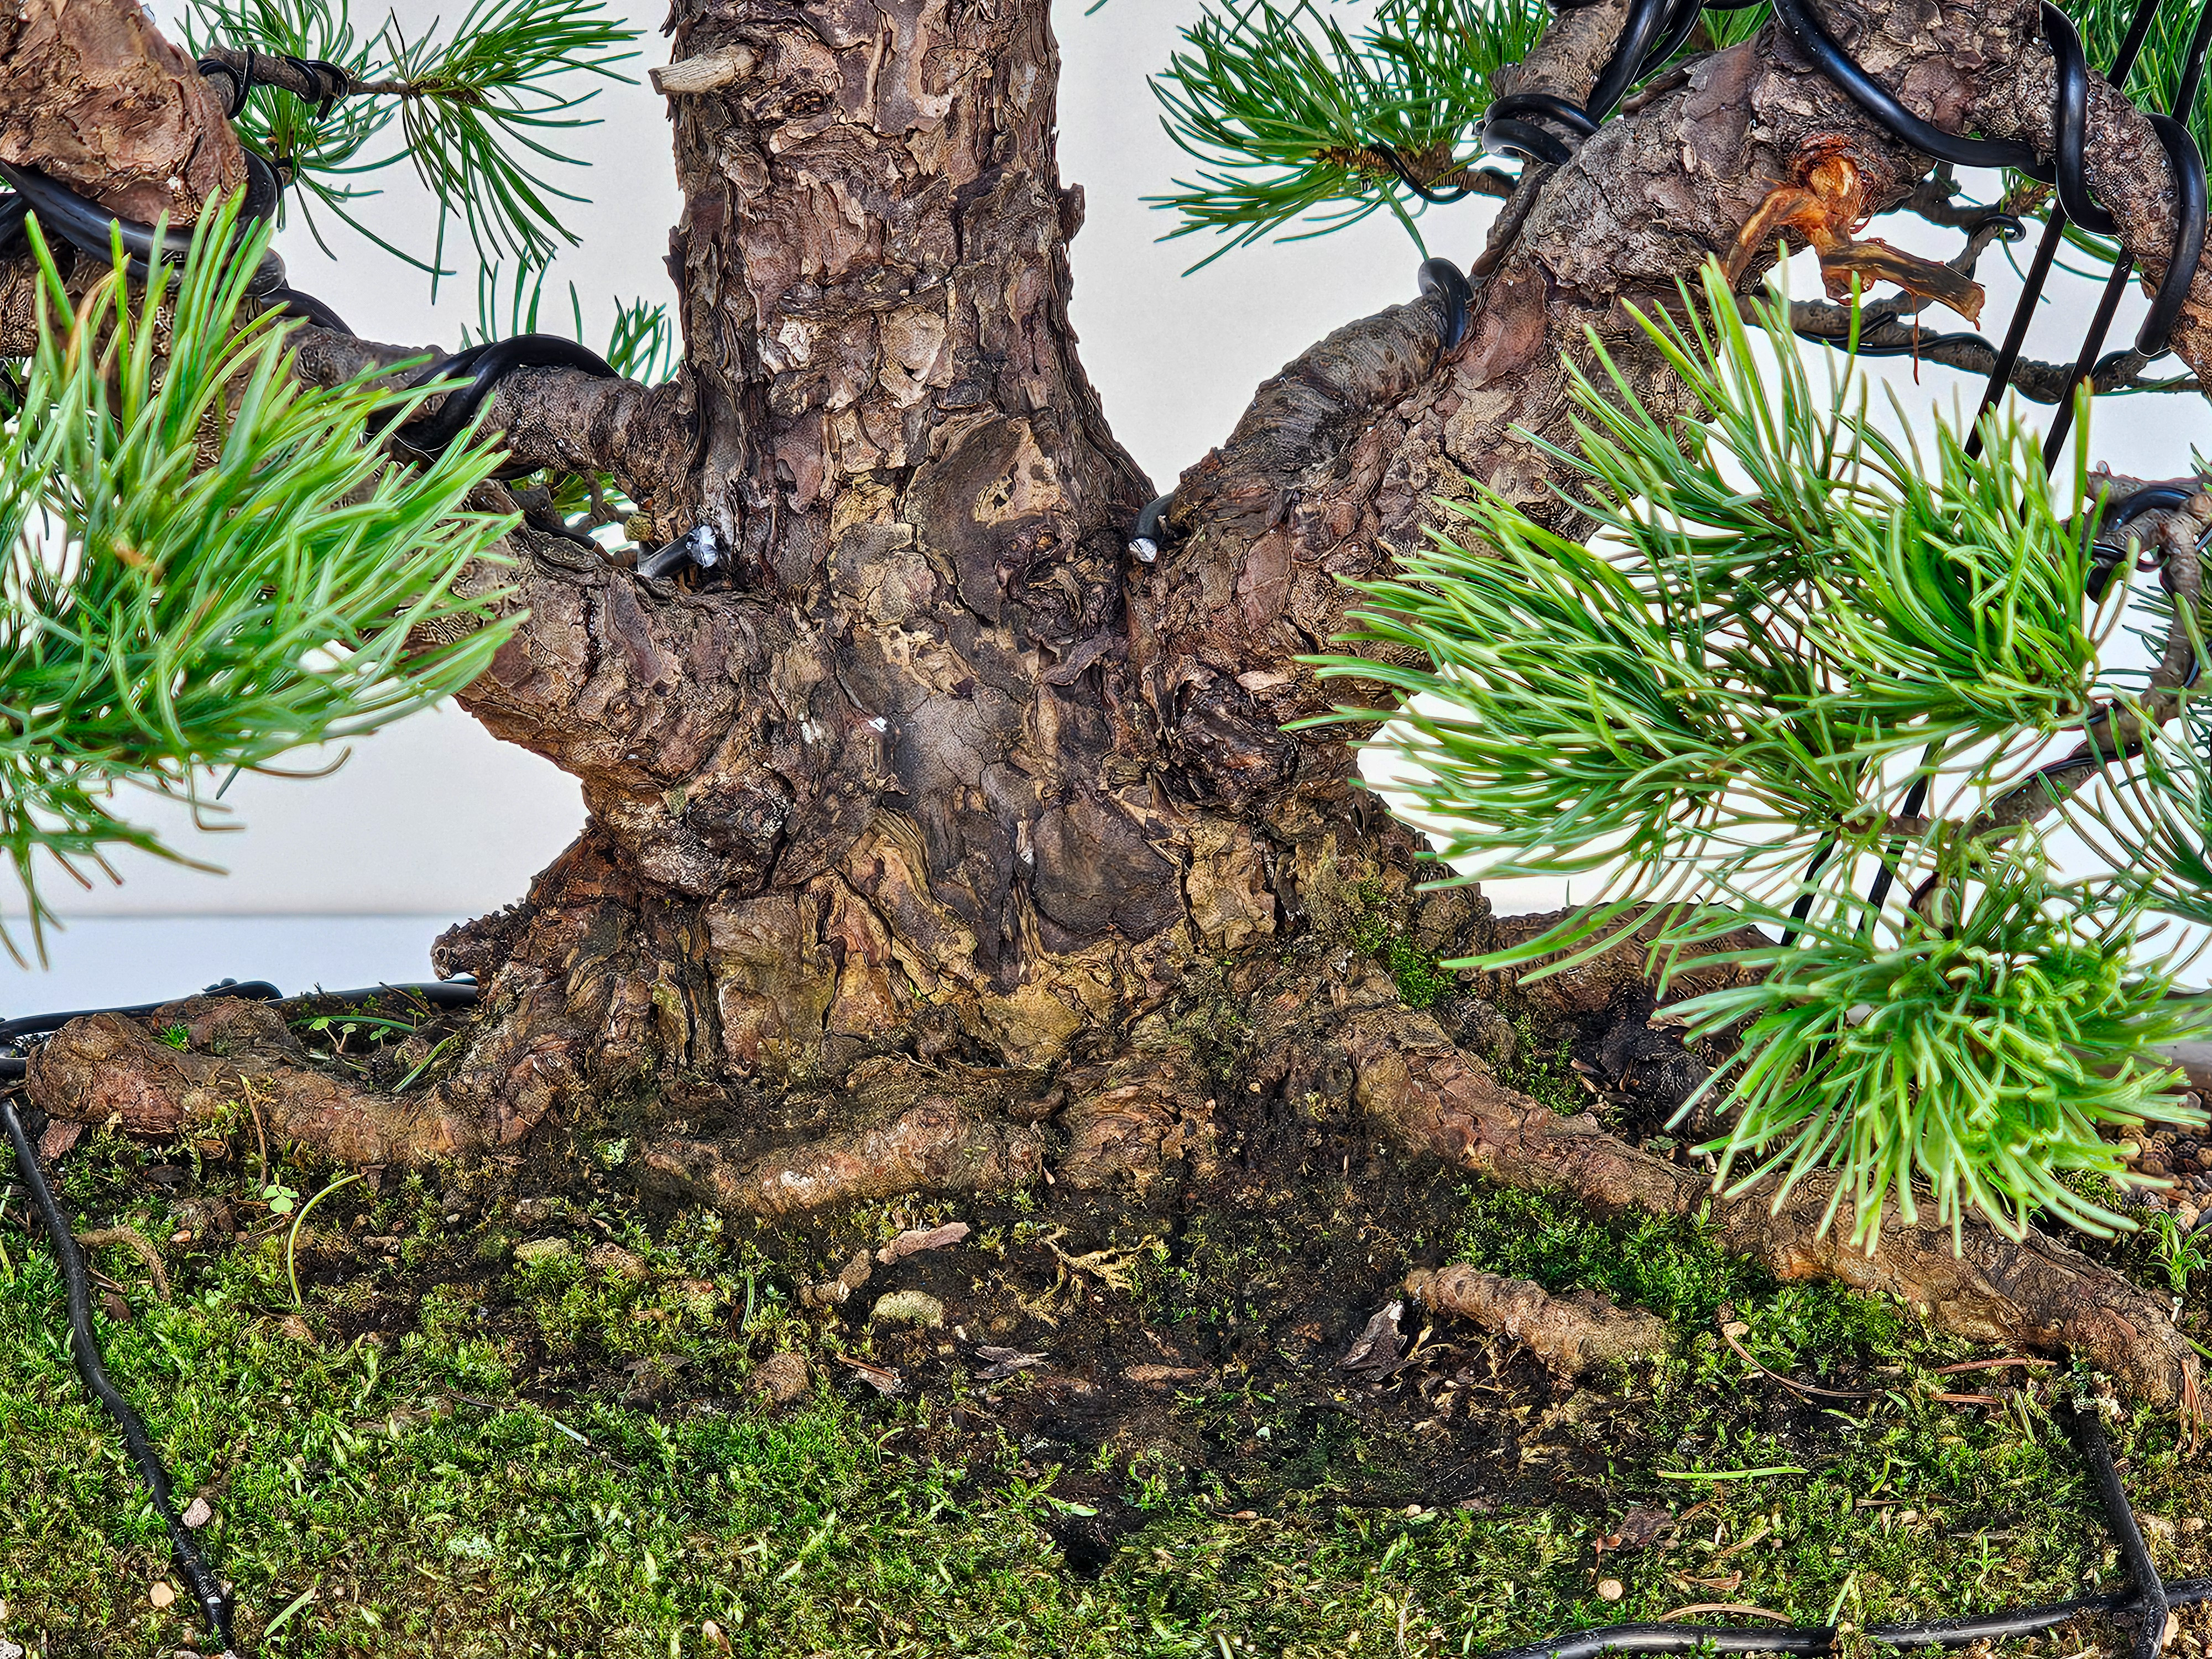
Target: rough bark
x=93 y=96
x=907 y=821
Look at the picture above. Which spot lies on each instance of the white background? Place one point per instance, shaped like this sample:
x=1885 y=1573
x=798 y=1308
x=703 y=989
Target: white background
x=345 y=880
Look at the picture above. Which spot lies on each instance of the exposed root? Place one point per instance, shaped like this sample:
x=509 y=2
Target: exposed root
x=1155 y=1109
x=1109 y=1266
x=1570 y=1334
x=1431 y=1097
x=114 y=1071
x=945 y=1128
x=933 y=1147
x=139 y=1245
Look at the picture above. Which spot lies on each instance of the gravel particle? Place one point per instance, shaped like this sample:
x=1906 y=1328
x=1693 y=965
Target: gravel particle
x=781 y=1378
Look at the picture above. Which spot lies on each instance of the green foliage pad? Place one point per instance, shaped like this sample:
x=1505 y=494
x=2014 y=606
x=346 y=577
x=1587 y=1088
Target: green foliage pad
x=1787 y=631
x=209 y=567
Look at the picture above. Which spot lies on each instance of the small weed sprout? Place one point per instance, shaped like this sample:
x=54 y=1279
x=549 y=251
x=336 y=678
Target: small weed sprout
x=2182 y=1253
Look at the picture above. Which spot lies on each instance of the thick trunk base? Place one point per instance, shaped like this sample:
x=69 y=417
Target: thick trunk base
x=613 y=1007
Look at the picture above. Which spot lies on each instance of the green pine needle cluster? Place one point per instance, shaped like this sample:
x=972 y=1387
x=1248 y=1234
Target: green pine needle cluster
x=1293 y=117
x=327 y=151
x=1982 y=1061
x=209 y=567
x=1780 y=599
x=1288 y=114
x=476 y=109
x=1796 y=664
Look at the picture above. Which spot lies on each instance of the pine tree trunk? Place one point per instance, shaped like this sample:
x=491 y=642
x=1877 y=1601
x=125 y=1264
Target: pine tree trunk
x=927 y=833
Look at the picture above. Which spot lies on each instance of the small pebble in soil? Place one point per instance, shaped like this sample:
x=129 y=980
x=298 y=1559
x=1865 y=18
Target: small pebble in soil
x=781 y=1378
x=1611 y=1590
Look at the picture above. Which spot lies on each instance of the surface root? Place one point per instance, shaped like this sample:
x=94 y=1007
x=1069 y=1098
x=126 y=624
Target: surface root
x=2033 y=1293
x=1570 y=1334
x=239 y=1060
x=933 y=1147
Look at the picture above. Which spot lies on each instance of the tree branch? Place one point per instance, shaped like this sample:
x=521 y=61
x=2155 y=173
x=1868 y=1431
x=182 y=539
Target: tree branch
x=285 y=74
x=94 y=97
x=2038 y=382
x=1882 y=330
x=558 y=418
x=2128 y=174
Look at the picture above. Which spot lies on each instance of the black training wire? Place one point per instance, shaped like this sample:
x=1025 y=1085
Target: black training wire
x=2046 y=250
x=2069 y=170
x=485 y=365
x=84 y=1346
x=2146 y=1599
x=1448 y=284
x=2189 y=200
x=1510 y=125
x=14 y=1030
x=1821 y=1639
x=241 y=81
x=2111 y=517
x=2149 y=1600
x=1434 y=197
x=445 y=993
x=86 y=225
x=84 y=1349
x=334 y=79
x=2150 y=1597
x=91 y=229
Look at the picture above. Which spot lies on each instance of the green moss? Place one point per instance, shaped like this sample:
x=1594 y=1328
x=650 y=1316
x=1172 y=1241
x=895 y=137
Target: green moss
x=564 y=1458
x=1543 y=1071
x=1375 y=929
x=1669 y=1266
x=1673 y=1266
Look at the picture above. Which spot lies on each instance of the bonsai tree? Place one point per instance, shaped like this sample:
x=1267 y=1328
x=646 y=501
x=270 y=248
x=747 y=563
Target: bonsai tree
x=946 y=836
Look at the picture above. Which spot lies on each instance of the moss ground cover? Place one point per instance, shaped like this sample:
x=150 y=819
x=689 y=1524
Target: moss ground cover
x=518 y=1411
